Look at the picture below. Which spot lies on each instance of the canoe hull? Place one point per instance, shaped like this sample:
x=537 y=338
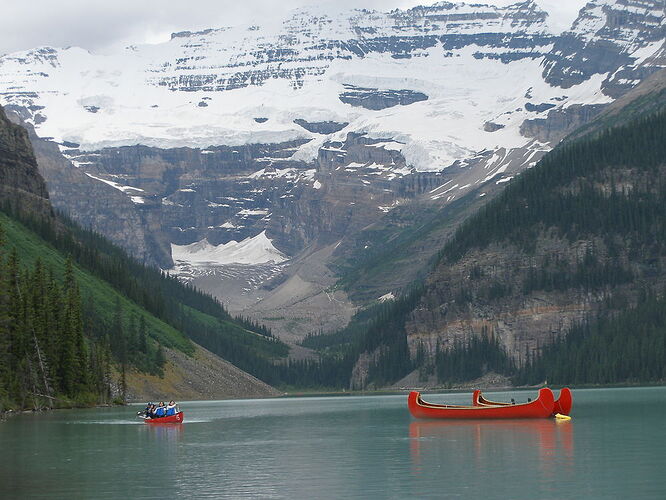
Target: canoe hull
x=541 y=407
x=562 y=404
x=170 y=419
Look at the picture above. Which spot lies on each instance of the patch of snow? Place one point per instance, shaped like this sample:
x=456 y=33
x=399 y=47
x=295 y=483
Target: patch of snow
x=251 y=251
x=641 y=54
x=115 y=185
x=248 y=211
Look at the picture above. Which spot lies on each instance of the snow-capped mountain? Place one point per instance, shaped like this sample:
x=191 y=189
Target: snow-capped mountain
x=430 y=76
x=321 y=125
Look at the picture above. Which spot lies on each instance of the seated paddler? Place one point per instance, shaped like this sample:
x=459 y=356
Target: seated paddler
x=160 y=411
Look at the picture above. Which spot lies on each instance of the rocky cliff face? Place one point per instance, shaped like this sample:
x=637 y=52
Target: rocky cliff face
x=92 y=203
x=483 y=294
x=204 y=375
x=603 y=40
x=20 y=182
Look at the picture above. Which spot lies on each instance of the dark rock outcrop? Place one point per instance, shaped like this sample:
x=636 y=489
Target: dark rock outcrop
x=21 y=184
x=376 y=99
x=559 y=122
x=321 y=127
x=492 y=127
x=539 y=108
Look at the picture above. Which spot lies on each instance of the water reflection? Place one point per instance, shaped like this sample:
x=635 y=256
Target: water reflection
x=550 y=443
x=166 y=432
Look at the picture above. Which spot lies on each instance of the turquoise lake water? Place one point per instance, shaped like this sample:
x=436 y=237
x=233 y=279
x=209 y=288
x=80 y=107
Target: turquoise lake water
x=342 y=447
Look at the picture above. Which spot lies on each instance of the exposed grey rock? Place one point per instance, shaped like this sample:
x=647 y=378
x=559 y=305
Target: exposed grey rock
x=20 y=181
x=376 y=99
x=539 y=108
x=492 y=127
x=559 y=122
x=601 y=41
x=94 y=204
x=320 y=127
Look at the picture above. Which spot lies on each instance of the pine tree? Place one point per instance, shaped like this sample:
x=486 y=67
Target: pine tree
x=160 y=358
x=143 y=336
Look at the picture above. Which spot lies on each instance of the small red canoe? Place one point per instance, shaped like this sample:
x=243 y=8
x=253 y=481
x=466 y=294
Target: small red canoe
x=169 y=419
x=562 y=404
x=541 y=407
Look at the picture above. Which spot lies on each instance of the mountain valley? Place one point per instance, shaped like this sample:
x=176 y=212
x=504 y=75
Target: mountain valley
x=306 y=171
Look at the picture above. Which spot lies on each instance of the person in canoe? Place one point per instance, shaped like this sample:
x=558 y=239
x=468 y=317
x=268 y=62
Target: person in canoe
x=160 y=411
x=153 y=411
x=172 y=408
x=147 y=412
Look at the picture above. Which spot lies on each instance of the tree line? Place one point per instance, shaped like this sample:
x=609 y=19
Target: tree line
x=614 y=347
x=46 y=359
x=196 y=314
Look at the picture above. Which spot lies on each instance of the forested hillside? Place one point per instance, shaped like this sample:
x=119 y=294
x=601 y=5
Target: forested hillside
x=78 y=312
x=590 y=224
x=43 y=350
x=544 y=281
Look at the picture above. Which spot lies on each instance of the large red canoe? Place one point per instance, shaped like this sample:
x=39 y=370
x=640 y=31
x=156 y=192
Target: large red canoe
x=169 y=419
x=562 y=404
x=541 y=407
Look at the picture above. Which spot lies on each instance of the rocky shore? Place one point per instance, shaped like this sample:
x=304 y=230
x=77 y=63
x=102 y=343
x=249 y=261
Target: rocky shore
x=201 y=376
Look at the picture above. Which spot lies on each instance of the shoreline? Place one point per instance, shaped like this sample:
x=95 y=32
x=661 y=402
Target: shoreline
x=6 y=414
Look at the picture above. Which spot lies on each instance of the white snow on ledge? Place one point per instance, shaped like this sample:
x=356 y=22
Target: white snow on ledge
x=115 y=185
x=254 y=250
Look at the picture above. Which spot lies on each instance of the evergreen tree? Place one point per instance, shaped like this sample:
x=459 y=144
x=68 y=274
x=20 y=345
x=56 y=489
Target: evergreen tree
x=143 y=336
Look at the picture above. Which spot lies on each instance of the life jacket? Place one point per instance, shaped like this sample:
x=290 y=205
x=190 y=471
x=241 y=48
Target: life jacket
x=171 y=410
x=159 y=411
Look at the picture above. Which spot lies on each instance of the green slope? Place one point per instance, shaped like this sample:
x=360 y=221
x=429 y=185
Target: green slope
x=175 y=313
x=393 y=253
x=31 y=247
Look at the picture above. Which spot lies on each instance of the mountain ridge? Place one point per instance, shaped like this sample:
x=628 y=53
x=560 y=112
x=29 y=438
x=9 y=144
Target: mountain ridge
x=461 y=97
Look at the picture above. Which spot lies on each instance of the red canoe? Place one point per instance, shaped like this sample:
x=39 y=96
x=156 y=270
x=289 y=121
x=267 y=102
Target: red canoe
x=170 y=419
x=541 y=407
x=562 y=404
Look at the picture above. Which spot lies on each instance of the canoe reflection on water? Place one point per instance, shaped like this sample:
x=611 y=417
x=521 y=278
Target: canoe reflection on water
x=434 y=441
x=166 y=432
